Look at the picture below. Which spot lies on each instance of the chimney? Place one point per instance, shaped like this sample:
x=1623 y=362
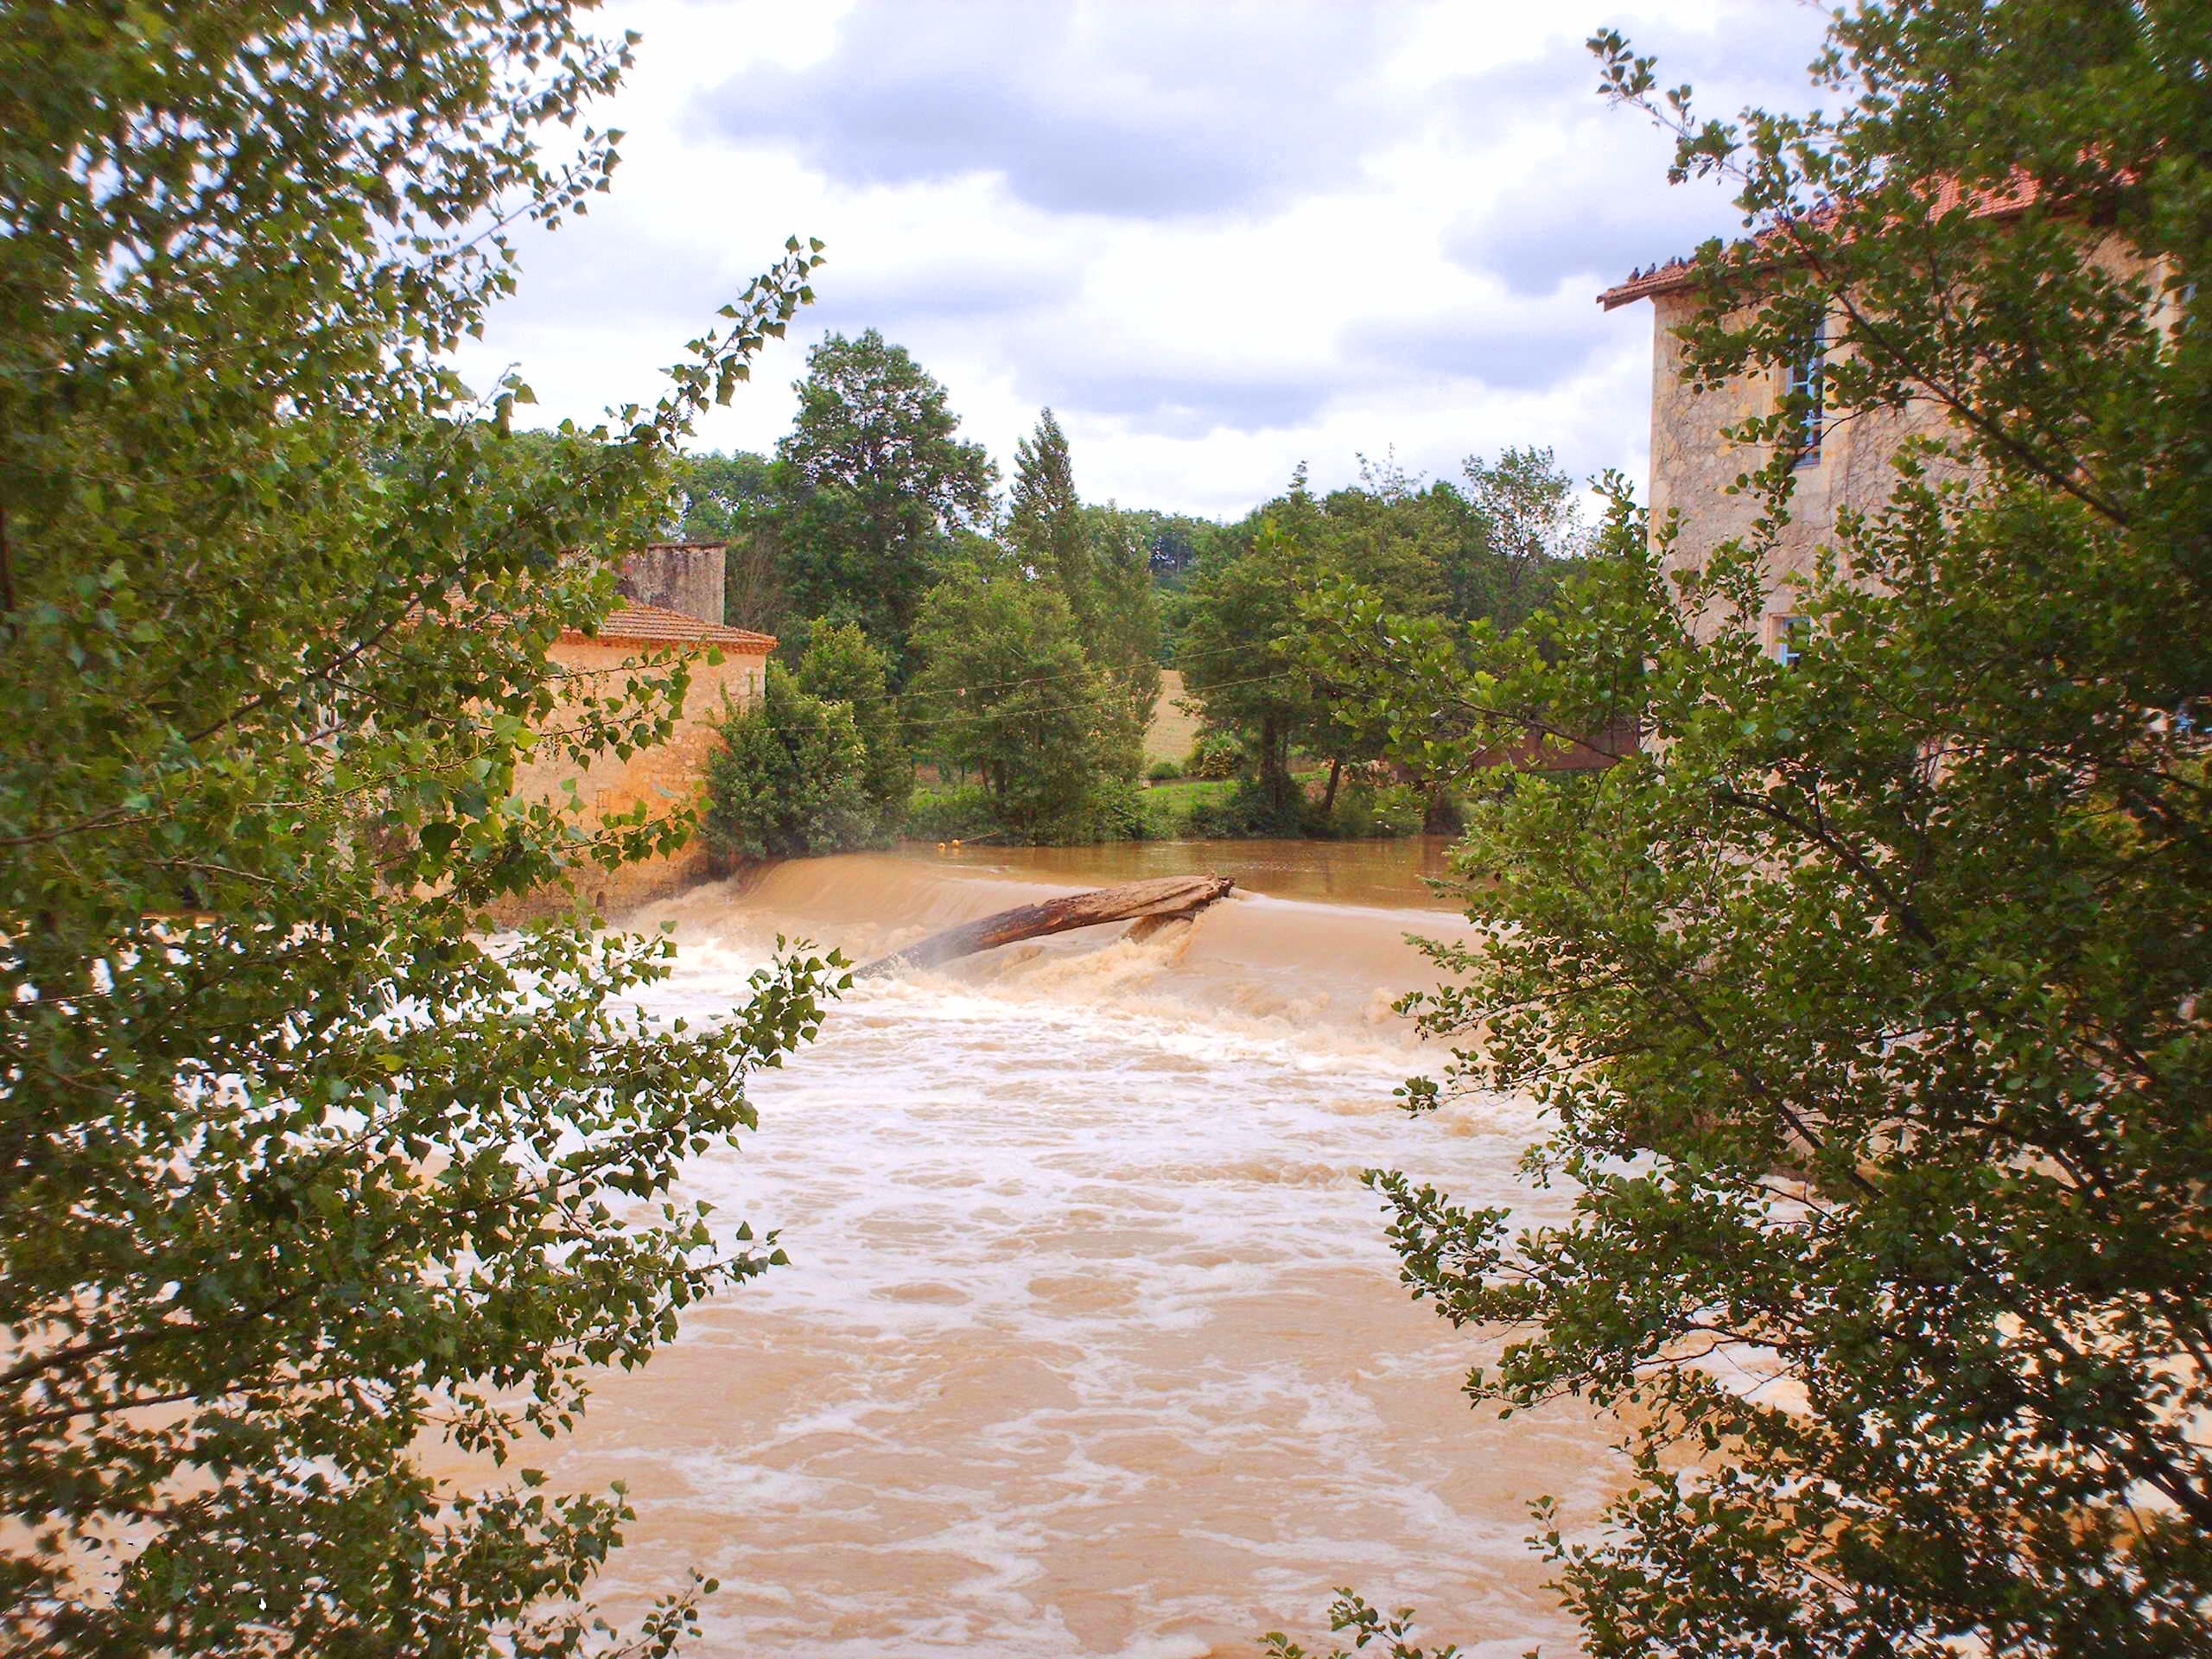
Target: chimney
x=685 y=576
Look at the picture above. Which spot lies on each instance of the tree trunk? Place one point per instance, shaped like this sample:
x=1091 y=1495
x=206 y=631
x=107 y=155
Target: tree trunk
x=1167 y=896
x=1329 y=794
x=1275 y=765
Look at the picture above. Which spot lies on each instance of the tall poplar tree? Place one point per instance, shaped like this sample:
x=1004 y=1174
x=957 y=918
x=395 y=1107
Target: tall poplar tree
x=1045 y=518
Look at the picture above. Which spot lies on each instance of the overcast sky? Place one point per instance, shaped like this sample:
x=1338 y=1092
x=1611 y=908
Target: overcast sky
x=1217 y=238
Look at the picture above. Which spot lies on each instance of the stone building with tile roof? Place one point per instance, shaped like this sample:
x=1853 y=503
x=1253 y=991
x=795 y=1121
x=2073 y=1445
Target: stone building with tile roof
x=1841 y=464
x=672 y=608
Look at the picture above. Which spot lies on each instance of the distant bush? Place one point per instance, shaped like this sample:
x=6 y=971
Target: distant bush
x=957 y=810
x=1245 y=812
x=1115 y=812
x=790 y=777
x=1364 y=811
x=1165 y=772
x=1216 y=755
x=840 y=666
x=1112 y=811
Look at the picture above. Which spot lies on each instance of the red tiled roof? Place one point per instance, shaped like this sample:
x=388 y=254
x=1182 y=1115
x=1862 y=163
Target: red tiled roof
x=655 y=625
x=1679 y=273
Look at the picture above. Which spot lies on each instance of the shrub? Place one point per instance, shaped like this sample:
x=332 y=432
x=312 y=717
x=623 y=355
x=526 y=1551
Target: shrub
x=790 y=777
x=1246 y=812
x=1007 y=691
x=1366 y=811
x=840 y=666
x=1216 y=755
x=1115 y=811
x=1164 y=772
x=1112 y=811
x=962 y=811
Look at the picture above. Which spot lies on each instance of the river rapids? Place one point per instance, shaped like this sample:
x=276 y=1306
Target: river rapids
x=1090 y=1342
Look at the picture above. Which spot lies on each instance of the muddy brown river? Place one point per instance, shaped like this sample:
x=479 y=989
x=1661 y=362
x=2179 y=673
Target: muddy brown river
x=1090 y=1343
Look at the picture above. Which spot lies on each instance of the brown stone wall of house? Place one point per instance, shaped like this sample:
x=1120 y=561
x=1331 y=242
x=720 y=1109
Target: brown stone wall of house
x=668 y=777
x=676 y=578
x=1693 y=467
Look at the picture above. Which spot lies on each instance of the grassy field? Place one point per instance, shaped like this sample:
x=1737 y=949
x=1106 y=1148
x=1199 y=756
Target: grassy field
x=1171 y=731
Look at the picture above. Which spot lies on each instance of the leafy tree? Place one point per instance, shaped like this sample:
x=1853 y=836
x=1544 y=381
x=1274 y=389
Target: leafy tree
x=1008 y=690
x=296 y=1171
x=1867 y=1004
x=791 y=777
x=721 y=498
x=872 y=488
x=1518 y=531
x=1045 y=518
x=1124 y=631
x=728 y=499
x=840 y=666
x=1101 y=570
x=1175 y=540
x=1242 y=636
x=1240 y=651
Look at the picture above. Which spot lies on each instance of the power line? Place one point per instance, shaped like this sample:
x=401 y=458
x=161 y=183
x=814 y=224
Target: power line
x=1026 y=712
x=1047 y=679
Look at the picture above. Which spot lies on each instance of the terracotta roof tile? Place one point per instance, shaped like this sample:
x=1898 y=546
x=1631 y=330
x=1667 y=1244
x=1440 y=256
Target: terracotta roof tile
x=657 y=625
x=1679 y=273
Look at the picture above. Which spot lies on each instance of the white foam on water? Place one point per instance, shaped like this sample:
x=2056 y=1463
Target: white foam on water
x=1091 y=1343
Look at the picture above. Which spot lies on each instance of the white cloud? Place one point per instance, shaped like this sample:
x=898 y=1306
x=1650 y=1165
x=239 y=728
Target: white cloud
x=1218 y=240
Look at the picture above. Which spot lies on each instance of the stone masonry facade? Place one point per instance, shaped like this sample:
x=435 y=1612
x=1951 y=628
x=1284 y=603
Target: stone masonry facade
x=1693 y=465
x=670 y=776
x=685 y=578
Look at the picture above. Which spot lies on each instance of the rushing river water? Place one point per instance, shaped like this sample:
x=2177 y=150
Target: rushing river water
x=1091 y=1344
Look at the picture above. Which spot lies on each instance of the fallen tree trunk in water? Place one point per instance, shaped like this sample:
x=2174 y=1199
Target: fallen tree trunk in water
x=1148 y=903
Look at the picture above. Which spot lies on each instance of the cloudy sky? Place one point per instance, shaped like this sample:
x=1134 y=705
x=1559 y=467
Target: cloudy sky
x=1217 y=238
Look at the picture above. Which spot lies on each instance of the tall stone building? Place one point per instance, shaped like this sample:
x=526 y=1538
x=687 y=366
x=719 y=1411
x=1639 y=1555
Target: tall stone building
x=671 y=604
x=1842 y=463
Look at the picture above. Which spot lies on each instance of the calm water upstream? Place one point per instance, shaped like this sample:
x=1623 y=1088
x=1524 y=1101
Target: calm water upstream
x=1091 y=1344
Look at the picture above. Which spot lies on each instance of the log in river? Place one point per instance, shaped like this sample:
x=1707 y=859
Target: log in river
x=1148 y=903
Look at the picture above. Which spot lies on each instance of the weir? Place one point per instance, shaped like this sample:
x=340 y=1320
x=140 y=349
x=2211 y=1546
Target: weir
x=1090 y=1342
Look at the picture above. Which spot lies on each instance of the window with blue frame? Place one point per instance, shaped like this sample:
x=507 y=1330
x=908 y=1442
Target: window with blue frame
x=1789 y=635
x=1806 y=392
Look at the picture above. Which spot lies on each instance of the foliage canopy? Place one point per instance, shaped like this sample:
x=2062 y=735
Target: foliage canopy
x=791 y=777
x=298 y=1168
x=872 y=487
x=1007 y=691
x=1867 y=1002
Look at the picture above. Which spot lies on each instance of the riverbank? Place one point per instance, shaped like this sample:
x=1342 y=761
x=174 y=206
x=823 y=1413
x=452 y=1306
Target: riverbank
x=1176 y=810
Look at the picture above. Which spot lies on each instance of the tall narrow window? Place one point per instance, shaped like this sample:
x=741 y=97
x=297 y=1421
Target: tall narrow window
x=1807 y=394
x=1788 y=635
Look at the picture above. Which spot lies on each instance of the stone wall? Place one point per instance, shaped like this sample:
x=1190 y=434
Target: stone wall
x=685 y=576
x=667 y=777
x=1693 y=467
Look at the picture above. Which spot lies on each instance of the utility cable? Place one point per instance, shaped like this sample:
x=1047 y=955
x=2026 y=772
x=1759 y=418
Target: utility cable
x=1027 y=712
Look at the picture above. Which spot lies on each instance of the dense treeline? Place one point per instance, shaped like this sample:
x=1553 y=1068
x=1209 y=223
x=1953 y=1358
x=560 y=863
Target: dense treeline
x=1015 y=647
